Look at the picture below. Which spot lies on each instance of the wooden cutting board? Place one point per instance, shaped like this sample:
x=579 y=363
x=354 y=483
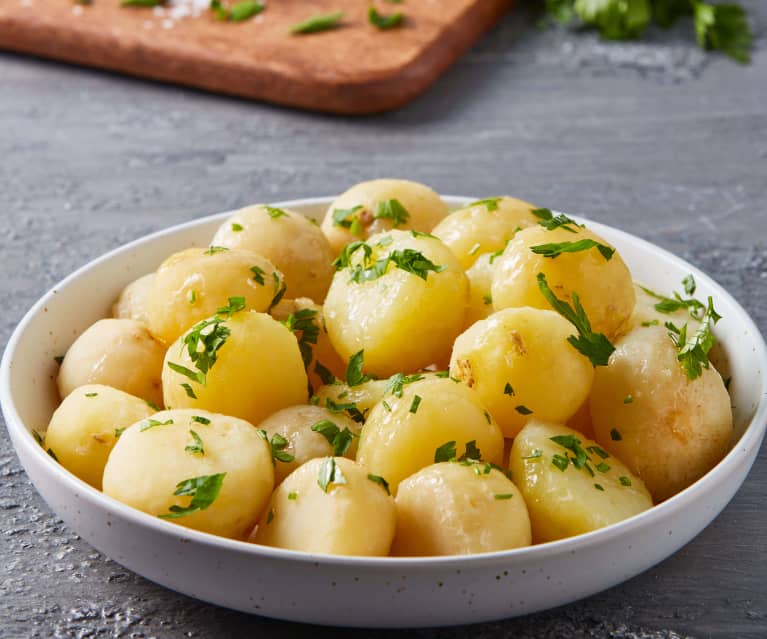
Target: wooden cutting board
x=354 y=69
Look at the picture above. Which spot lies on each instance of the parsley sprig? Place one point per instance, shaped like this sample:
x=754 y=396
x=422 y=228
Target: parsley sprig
x=303 y=324
x=238 y=12
x=695 y=307
x=368 y=269
x=330 y=473
x=203 y=489
x=556 y=249
x=693 y=352
x=339 y=439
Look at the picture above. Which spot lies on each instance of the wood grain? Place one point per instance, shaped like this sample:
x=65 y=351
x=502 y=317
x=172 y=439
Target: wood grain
x=354 y=69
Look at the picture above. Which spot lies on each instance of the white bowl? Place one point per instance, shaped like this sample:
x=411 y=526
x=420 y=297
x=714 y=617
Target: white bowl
x=380 y=592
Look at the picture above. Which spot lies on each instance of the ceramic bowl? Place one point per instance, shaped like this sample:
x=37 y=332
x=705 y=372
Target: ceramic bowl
x=372 y=592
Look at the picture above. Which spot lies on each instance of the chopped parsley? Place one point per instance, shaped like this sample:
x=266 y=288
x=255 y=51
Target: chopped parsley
x=629 y=399
x=191 y=296
x=615 y=435
x=487 y=298
x=120 y=431
x=330 y=473
x=508 y=389
x=200 y=420
x=550 y=222
x=350 y=408
x=475 y=249
x=279 y=291
x=258 y=275
x=415 y=404
x=556 y=249
x=203 y=489
x=599 y=487
x=625 y=481
x=317 y=23
x=667 y=305
x=293 y=495
x=407 y=259
x=275 y=213
x=602 y=467
x=693 y=352
x=523 y=410
x=326 y=377
x=593 y=345
x=446 y=452
x=238 y=12
x=303 y=324
x=398 y=381
x=91 y=394
x=151 y=423
x=354 y=374
x=277 y=446
x=212 y=250
x=339 y=439
x=59 y=359
x=503 y=496
x=381 y=482
x=384 y=22
x=490 y=203
x=560 y=462
x=270 y=516
x=391 y=209
x=536 y=454
x=187 y=388
x=652 y=322
x=498 y=253
x=349 y=219
x=197 y=446
x=38 y=437
x=52 y=454
x=236 y=227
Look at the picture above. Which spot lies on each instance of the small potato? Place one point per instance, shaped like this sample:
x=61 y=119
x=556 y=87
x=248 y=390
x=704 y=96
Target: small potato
x=521 y=365
x=402 y=434
x=366 y=209
x=455 y=509
x=306 y=320
x=645 y=314
x=119 y=353
x=668 y=429
x=198 y=469
x=290 y=241
x=571 y=485
x=245 y=364
x=331 y=506
x=86 y=426
x=604 y=286
x=191 y=285
x=133 y=300
x=406 y=313
x=480 y=297
x=294 y=424
x=484 y=226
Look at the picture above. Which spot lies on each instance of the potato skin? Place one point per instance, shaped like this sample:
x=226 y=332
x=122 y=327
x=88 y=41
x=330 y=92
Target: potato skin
x=132 y=302
x=290 y=241
x=295 y=425
x=522 y=367
x=120 y=353
x=145 y=467
x=568 y=502
x=604 y=286
x=392 y=317
x=257 y=372
x=673 y=430
x=449 y=509
x=356 y=518
x=84 y=428
x=192 y=284
x=484 y=226
x=424 y=206
x=397 y=443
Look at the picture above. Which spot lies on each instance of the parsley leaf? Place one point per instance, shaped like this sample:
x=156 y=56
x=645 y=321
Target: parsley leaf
x=693 y=353
x=203 y=489
x=317 y=23
x=392 y=210
x=381 y=482
x=415 y=404
x=407 y=259
x=304 y=326
x=339 y=439
x=556 y=249
x=621 y=20
x=383 y=22
x=277 y=446
x=504 y=495
x=330 y=473
x=724 y=27
x=444 y=453
x=349 y=219
x=239 y=11
x=258 y=275
x=593 y=345
x=354 y=374
x=490 y=203
x=326 y=377
x=151 y=423
x=197 y=447
x=550 y=222
x=398 y=381
x=274 y=213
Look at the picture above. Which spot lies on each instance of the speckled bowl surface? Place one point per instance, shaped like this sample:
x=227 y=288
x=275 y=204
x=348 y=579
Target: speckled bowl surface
x=373 y=592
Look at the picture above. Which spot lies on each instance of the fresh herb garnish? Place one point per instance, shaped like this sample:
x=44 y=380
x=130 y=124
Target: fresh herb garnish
x=339 y=439
x=508 y=390
x=549 y=221
x=203 y=489
x=191 y=296
x=275 y=213
x=653 y=322
x=317 y=23
x=279 y=291
x=490 y=203
x=270 y=516
x=293 y=495
x=304 y=326
x=487 y=299
x=326 y=377
x=504 y=495
x=391 y=210
x=350 y=408
x=258 y=275
x=448 y=452
x=238 y=12
x=599 y=487
x=151 y=423
x=536 y=454
x=384 y=22
x=212 y=250
x=120 y=431
x=445 y=453
x=615 y=435
x=560 y=462
x=142 y=3
x=197 y=446
x=349 y=219
x=398 y=381
x=354 y=374
x=277 y=446
x=187 y=388
x=236 y=227
x=498 y=253
x=415 y=404
x=200 y=420
x=628 y=399
x=667 y=305
x=523 y=410
x=407 y=259
x=593 y=345
x=625 y=481
x=556 y=249
x=693 y=353
x=330 y=473
x=381 y=482
x=59 y=359
x=91 y=394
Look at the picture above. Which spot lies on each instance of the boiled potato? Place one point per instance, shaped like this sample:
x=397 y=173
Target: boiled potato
x=245 y=364
x=404 y=314
x=603 y=285
x=368 y=208
x=669 y=430
x=402 y=434
x=293 y=425
x=306 y=320
x=133 y=300
x=86 y=425
x=191 y=285
x=330 y=505
x=172 y=464
x=480 y=297
x=521 y=365
x=455 y=509
x=290 y=241
x=484 y=226
x=119 y=353
x=570 y=484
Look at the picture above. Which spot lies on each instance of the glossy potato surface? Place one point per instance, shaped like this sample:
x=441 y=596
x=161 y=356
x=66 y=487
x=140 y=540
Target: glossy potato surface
x=132 y=302
x=522 y=367
x=290 y=241
x=149 y=462
x=402 y=321
x=573 y=500
x=120 y=353
x=352 y=516
x=669 y=430
x=480 y=276
x=453 y=509
x=86 y=425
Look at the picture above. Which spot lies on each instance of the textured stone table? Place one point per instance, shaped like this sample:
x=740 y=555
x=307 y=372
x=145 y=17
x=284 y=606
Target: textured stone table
x=655 y=138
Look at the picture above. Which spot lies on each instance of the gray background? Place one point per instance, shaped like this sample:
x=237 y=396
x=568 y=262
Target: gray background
x=654 y=137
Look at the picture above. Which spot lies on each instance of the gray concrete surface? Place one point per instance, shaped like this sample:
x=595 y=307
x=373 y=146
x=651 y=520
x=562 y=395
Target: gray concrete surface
x=654 y=137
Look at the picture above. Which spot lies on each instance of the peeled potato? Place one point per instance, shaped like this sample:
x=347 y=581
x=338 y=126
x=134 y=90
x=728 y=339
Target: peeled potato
x=392 y=315
x=484 y=226
x=350 y=515
x=119 y=353
x=294 y=424
x=402 y=434
x=572 y=498
x=480 y=297
x=669 y=430
x=290 y=241
x=257 y=367
x=86 y=425
x=455 y=509
x=645 y=314
x=191 y=285
x=133 y=300
x=155 y=457
x=307 y=318
x=604 y=286
x=366 y=204
x=522 y=367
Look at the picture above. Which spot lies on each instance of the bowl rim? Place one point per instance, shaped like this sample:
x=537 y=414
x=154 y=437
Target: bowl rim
x=750 y=438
